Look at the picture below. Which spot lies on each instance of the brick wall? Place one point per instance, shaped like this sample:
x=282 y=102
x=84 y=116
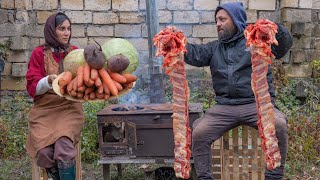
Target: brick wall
x=22 y=23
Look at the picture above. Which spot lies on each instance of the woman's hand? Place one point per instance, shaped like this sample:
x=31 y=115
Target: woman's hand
x=51 y=78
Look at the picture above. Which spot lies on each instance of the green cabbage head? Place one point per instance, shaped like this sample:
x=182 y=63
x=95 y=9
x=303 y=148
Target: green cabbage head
x=73 y=60
x=121 y=46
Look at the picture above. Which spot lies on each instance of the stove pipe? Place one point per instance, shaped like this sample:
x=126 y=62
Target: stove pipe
x=157 y=93
x=1 y=70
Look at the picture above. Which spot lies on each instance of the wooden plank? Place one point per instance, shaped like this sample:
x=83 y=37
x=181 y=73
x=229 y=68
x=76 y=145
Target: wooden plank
x=216 y=152
x=36 y=173
x=216 y=158
x=235 y=163
x=216 y=169
x=241 y=165
x=240 y=169
x=254 y=136
x=78 y=162
x=262 y=161
x=217 y=176
x=250 y=153
x=245 y=161
x=44 y=174
x=217 y=143
x=225 y=161
x=221 y=156
x=216 y=161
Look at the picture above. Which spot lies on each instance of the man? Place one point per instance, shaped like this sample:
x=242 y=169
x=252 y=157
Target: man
x=230 y=65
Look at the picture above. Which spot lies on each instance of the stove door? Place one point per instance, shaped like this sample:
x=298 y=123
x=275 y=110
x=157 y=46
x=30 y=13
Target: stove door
x=155 y=140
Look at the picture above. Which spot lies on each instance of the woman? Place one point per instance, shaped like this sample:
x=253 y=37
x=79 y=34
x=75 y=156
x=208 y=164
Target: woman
x=54 y=123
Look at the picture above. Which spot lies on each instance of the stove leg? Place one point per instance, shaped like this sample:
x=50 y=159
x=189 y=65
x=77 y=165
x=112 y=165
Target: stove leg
x=119 y=168
x=106 y=171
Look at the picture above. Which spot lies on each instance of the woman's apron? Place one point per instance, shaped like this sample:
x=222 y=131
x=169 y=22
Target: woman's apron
x=53 y=116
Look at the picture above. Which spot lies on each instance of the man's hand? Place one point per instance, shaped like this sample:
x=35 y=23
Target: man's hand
x=51 y=78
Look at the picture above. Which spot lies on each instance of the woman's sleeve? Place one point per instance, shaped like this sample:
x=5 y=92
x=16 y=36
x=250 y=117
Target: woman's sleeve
x=35 y=71
x=74 y=47
x=199 y=54
x=284 y=39
x=43 y=86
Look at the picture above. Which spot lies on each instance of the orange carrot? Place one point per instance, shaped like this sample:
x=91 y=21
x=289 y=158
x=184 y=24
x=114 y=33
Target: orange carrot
x=79 y=95
x=106 y=96
x=117 y=77
x=80 y=76
x=88 y=90
x=128 y=85
x=86 y=97
x=105 y=88
x=82 y=88
x=92 y=95
x=94 y=74
x=99 y=95
x=130 y=77
x=100 y=89
x=86 y=72
x=66 y=78
x=73 y=93
x=108 y=81
x=70 y=86
x=98 y=82
x=118 y=85
x=75 y=84
x=90 y=83
x=62 y=90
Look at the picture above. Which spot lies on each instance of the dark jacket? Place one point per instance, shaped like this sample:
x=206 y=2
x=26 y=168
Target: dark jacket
x=230 y=60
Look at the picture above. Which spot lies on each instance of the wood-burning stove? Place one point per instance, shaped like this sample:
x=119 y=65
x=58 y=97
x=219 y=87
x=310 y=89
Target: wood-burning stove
x=138 y=133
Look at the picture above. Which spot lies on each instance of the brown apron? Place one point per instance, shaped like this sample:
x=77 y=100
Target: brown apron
x=52 y=116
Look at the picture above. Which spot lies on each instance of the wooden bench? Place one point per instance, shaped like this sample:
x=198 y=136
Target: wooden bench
x=39 y=173
x=238 y=155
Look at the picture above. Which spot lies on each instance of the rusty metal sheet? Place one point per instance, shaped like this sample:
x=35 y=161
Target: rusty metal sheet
x=131 y=137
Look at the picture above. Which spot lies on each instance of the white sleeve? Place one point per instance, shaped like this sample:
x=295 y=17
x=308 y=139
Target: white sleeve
x=43 y=86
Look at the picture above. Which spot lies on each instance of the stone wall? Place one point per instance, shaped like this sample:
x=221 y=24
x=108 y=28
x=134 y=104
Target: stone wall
x=22 y=23
x=301 y=17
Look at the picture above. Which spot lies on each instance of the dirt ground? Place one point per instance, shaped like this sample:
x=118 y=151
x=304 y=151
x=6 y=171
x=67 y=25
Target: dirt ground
x=21 y=169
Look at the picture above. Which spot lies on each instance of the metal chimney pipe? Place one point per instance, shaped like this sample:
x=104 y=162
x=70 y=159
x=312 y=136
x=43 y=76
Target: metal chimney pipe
x=157 y=94
x=1 y=70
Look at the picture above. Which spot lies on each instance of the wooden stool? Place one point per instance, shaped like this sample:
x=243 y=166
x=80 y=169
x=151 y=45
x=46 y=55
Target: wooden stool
x=238 y=155
x=39 y=173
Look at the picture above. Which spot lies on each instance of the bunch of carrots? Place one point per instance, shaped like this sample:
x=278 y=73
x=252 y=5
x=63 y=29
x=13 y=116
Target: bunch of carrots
x=91 y=84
